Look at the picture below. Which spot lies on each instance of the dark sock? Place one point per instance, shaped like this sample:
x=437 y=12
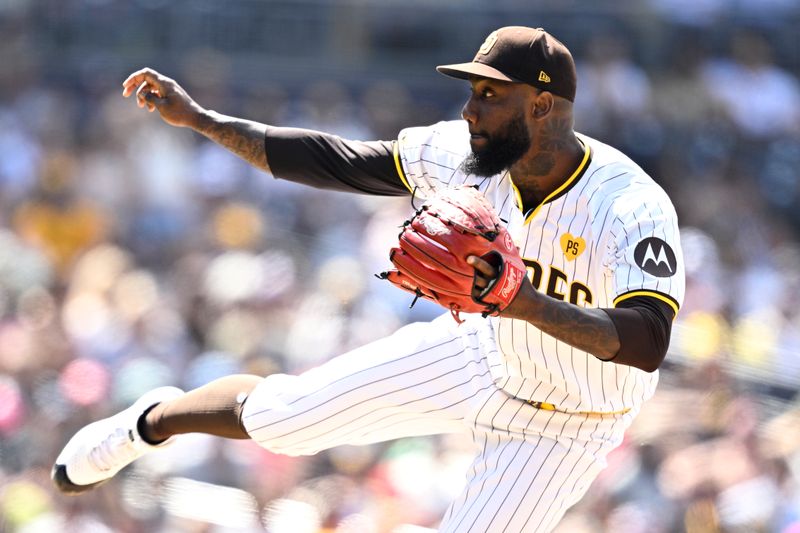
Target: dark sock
x=214 y=409
x=144 y=429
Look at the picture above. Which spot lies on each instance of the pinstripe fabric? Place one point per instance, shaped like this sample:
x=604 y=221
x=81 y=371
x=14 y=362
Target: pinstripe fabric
x=611 y=207
x=530 y=465
x=422 y=380
x=533 y=466
x=434 y=378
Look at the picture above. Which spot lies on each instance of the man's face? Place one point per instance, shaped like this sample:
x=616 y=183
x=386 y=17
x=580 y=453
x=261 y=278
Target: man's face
x=499 y=134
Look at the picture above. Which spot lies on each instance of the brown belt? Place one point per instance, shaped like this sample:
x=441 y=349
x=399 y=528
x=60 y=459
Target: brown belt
x=550 y=407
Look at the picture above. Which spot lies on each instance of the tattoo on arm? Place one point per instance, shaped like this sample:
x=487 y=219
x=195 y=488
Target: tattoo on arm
x=244 y=138
x=590 y=330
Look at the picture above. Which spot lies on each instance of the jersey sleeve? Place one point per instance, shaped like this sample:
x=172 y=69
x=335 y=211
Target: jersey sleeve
x=431 y=157
x=645 y=257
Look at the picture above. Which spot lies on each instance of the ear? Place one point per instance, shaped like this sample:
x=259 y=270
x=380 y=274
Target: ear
x=542 y=105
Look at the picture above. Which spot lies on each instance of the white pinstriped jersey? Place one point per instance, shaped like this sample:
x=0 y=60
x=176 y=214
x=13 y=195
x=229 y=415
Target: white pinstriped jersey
x=607 y=234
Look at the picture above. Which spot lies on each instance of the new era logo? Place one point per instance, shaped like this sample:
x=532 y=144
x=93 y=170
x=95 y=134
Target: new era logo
x=544 y=77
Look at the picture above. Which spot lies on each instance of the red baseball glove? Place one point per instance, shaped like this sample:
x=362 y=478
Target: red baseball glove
x=431 y=261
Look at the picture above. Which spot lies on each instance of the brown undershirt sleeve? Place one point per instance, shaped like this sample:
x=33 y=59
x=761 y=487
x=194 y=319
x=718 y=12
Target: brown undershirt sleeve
x=326 y=161
x=644 y=325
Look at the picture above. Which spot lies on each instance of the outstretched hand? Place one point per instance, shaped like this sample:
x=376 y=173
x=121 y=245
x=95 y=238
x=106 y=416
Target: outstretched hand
x=158 y=92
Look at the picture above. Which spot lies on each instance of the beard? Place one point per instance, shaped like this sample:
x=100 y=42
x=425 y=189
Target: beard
x=501 y=151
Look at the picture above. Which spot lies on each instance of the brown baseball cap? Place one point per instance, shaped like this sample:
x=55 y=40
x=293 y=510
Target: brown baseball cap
x=522 y=55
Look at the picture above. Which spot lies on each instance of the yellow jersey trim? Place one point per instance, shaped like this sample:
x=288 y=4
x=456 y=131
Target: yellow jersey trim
x=667 y=300
x=399 y=166
x=578 y=171
x=516 y=191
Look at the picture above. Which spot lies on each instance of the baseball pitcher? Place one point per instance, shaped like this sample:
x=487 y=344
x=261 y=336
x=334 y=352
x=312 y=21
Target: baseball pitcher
x=555 y=257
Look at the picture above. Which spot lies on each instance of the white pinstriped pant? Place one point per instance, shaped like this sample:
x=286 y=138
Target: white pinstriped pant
x=434 y=378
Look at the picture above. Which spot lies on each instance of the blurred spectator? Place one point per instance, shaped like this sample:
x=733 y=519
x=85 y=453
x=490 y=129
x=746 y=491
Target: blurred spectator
x=762 y=99
x=614 y=90
x=56 y=218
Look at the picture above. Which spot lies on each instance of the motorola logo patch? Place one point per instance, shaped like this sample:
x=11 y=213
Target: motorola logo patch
x=655 y=257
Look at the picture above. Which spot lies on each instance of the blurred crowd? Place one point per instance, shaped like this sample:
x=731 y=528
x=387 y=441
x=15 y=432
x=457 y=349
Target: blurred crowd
x=134 y=255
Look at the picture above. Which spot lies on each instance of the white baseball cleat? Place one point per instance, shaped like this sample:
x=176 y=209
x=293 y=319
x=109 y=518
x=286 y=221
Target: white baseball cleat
x=103 y=448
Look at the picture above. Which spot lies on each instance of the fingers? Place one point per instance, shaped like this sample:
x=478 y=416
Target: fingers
x=146 y=96
x=485 y=273
x=137 y=79
x=483 y=268
x=150 y=87
x=150 y=99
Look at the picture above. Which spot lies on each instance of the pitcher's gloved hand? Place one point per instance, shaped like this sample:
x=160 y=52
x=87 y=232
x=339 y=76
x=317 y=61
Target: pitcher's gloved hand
x=431 y=260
